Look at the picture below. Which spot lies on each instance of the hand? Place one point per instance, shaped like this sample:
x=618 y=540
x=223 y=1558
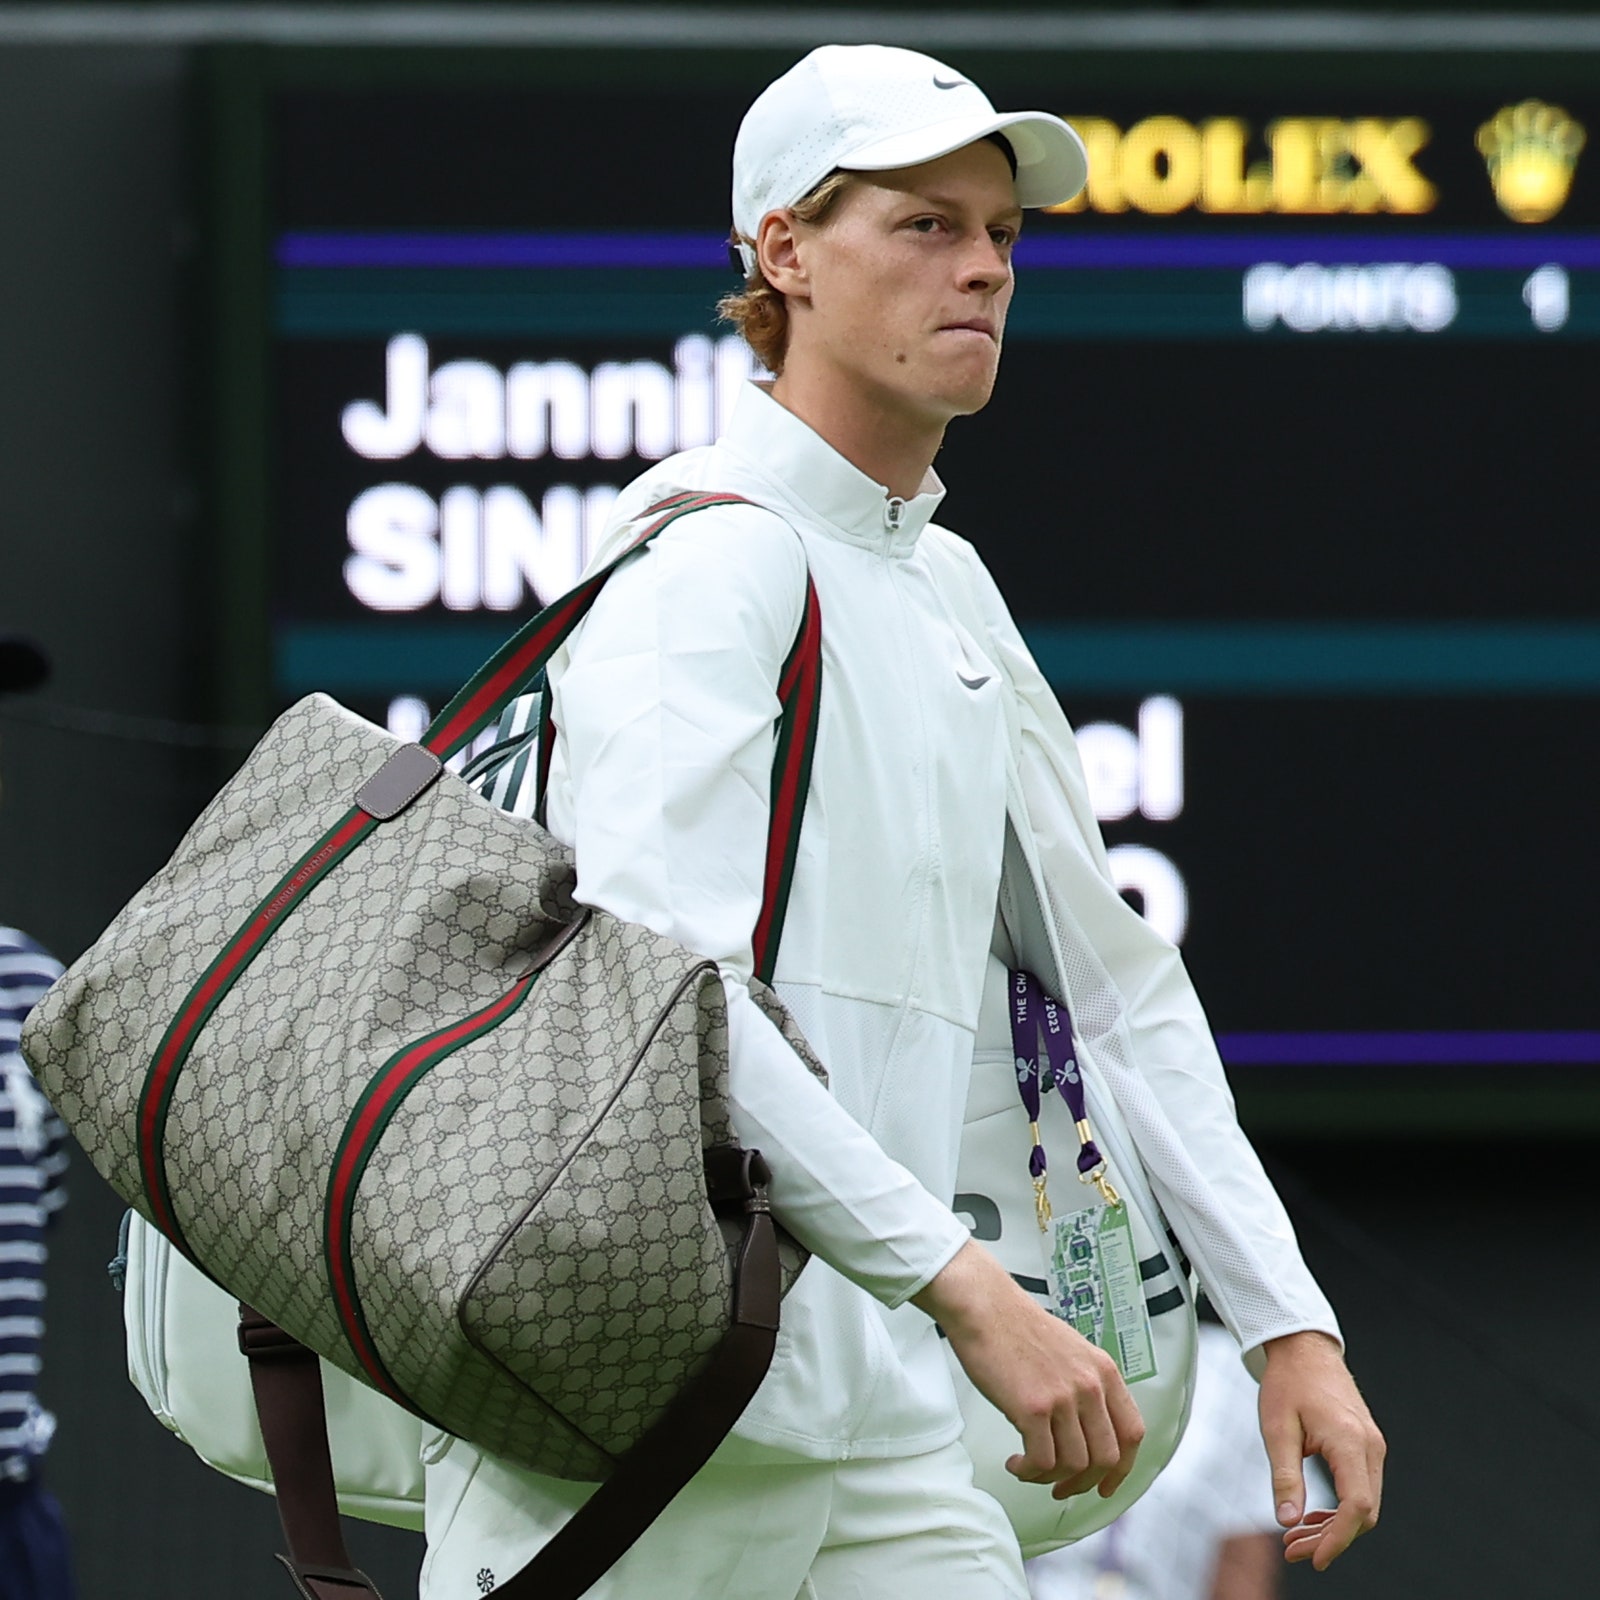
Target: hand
x=1310 y=1406
x=1080 y=1428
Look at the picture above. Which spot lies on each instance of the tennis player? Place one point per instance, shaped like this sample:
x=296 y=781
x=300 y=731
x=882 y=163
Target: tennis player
x=877 y=199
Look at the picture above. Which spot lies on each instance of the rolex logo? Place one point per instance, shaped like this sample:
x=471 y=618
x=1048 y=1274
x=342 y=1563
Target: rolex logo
x=1532 y=151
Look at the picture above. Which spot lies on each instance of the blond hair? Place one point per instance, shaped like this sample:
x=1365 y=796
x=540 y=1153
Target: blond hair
x=758 y=310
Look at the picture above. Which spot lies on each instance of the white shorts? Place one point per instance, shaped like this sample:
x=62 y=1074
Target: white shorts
x=751 y=1527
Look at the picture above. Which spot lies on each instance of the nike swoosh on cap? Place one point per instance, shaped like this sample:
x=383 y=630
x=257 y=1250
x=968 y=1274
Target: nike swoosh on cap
x=954 y=83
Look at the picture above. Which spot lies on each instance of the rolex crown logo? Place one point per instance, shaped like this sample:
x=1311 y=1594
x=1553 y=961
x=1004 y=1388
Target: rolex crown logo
x=1532 y=151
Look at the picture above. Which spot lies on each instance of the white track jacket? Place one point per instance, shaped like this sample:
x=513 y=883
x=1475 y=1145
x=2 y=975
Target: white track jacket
x=946 y=785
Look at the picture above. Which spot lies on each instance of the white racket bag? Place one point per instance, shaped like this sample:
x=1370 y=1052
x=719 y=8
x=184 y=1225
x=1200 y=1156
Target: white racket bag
x=995 y=1197
x=184 y=1358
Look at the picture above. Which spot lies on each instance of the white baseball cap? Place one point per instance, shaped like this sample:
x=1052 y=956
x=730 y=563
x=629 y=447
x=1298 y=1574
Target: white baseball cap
x=872 y=108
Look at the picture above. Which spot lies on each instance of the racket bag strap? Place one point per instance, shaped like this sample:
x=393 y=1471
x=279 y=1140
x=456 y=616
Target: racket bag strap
x=287 y=1381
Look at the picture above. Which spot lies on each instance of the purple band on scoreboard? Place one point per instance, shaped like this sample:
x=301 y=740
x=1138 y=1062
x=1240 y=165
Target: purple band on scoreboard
x=1104 y=251
x=1397 y=1049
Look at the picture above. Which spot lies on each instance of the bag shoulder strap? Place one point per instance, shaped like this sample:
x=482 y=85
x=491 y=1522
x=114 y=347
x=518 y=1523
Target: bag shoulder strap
x=517 y=665
x=799 y=689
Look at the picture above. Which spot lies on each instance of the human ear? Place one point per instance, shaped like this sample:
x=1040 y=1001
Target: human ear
x=778 y=253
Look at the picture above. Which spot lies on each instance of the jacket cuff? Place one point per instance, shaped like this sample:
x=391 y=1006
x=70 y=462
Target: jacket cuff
x=1255 y=1356
x=949 y=1244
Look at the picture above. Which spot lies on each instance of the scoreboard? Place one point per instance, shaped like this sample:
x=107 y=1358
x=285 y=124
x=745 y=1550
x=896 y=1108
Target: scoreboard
x=1287 y=478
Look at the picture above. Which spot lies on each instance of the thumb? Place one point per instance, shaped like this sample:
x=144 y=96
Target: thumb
x=1285 y=1442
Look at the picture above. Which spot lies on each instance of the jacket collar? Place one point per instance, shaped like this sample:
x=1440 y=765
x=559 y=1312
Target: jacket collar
x=812 y=476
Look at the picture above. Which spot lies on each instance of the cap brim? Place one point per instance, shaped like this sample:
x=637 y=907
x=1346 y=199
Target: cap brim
x=1052 y=164
x=23 y=665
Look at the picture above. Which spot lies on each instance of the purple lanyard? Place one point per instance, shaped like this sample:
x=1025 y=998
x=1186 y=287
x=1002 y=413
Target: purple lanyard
x=1041 y=1036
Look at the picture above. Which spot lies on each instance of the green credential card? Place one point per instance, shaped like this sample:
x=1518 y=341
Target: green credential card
x=1095 y=1286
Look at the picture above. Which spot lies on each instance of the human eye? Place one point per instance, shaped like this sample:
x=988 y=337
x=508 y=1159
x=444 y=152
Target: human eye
x=926 y=224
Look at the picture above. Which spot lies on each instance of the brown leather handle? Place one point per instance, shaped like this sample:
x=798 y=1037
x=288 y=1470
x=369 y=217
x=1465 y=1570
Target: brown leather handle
x=287 y=1381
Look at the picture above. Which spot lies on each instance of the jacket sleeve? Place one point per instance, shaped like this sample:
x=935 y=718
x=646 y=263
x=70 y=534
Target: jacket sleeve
x=665 y=704
x=1144 y=1026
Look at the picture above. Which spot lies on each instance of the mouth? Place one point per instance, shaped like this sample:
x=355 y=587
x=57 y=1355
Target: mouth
x=972 y=325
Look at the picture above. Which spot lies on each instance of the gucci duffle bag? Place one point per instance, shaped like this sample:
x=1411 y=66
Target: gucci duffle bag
x=360 y=1056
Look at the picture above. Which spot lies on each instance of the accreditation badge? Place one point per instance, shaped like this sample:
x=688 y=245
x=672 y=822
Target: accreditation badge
x=1095 y=1286
x=1092 y=1268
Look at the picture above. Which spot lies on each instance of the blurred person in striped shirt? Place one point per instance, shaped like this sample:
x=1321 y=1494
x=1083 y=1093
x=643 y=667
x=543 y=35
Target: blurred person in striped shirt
x=34 y=1564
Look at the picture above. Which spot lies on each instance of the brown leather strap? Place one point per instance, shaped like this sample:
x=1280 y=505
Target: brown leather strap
x=613 y=1518
x=287 y=1381
x=327 y=1583
x=288 y=1389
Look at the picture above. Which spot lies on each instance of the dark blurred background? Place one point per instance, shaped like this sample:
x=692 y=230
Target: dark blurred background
x=1389 y=851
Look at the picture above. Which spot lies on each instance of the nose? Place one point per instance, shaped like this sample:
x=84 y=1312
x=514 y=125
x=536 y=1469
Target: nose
x=987 y=267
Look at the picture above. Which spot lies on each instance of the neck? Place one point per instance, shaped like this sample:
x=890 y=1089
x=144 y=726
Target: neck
x=881 y=439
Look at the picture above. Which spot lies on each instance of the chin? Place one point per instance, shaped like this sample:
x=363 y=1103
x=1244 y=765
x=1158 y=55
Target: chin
x=939 y=390
x=975 y=401
x=968 y=388
x=962 y=400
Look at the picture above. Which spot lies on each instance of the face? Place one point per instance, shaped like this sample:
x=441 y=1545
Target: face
x=902 y=291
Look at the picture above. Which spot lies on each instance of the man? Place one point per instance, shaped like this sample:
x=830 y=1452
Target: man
x=877 y=196
x=33 y=1547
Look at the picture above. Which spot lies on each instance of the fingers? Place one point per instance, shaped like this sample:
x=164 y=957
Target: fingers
x=1112 y=1432
x=1357 y=1468
x=1093 y=1447
x=1300 y=1544
x=1089 y=1438
x=1355 y=1460
x=1314 y=1523
x=1055 y=1451
x=1322 y=1537
x=1037 y=1463
x=1285 y=1440
x=1129 y=1426
x=1313 y=1520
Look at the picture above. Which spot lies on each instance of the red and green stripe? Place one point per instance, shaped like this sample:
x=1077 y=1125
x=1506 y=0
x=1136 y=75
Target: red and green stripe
x=155 y=1101
x=371 y=1116
x=800 y=693
x=509 y=671
x=799 y=697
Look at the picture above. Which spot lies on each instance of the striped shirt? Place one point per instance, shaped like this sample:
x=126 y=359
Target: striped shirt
x=32 y=1161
